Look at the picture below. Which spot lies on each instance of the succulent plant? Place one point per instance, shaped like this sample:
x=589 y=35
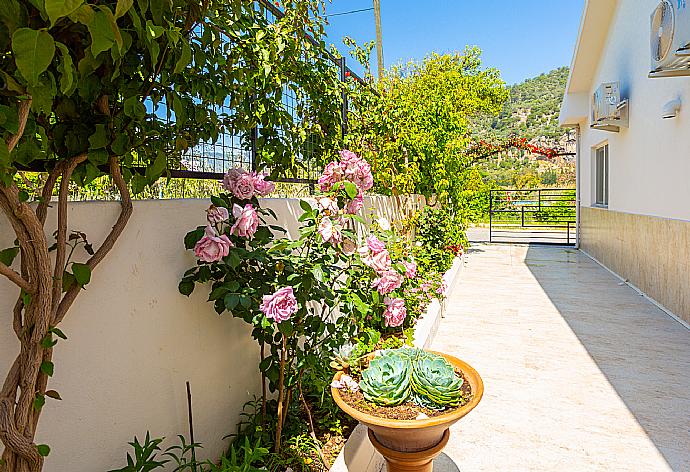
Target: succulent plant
x=434 y=382
x=387 y=380
x=341 y=357
x=398 y=374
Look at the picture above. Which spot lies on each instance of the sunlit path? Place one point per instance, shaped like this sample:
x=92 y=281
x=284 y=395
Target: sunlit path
x=581 y=372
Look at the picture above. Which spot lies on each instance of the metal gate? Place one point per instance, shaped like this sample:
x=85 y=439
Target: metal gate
x=545 y=216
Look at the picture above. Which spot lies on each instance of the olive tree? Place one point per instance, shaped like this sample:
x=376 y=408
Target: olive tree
x=121 y=88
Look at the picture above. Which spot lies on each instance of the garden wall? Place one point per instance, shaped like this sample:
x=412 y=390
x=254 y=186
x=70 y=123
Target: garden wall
x=134 y=340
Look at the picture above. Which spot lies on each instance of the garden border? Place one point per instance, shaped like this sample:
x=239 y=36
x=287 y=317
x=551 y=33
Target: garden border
x=362 y=457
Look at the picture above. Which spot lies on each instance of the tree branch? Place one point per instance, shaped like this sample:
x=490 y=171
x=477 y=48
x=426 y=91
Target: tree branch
x=59 y=268
x=24 y=108
x=108 y=243
x=16 y=278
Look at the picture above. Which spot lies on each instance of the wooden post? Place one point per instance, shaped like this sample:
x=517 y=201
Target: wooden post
x=379 y=44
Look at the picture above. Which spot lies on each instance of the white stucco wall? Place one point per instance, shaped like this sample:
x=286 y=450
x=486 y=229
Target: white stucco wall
x=649 y=163
x=134 y=340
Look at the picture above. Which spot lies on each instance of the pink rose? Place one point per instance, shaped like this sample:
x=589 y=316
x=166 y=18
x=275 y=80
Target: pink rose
x=231 y=177
x=356 y=170
x=442 y=289
x=211 y=247
x=395 y=312
x=243 y=187
x=346 y=156
x=332 y=174
x=247 y=221
x=261 y=186
x=216 y=214
x=387 y=282
x=410 y=269
x=375 y=245
x=330 y=232
x=380 y=262
x=355 y=205
x=280 y=306
x=327 y=205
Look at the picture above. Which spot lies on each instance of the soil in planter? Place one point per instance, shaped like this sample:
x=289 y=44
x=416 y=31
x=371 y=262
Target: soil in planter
x=406 y=411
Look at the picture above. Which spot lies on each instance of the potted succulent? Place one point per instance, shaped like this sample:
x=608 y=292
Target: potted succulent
x=408 y=398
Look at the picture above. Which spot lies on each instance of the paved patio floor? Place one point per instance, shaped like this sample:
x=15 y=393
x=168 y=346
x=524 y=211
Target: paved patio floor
x=581 y=373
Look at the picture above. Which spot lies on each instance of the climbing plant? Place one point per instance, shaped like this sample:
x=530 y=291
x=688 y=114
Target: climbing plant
x=120 y=88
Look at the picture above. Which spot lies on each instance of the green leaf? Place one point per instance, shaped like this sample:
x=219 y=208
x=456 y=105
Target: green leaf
x=58 y=332
x=186 y=287
x=350 y=189
x=102 y=34
x=318 y=273
x=286 y=328
x=153 y=31
x=9 y=119
x=26 y=298
x=192 y=237
x=43 y=450
x=231 y=300
x=53 y=394
x=122 y=7
x=82 y=273
x=48 y=368
x=305 y=205
x=8 y=255
x=134 y=108
x=39 y=401
x=58 y=8
x=99 y=138
x=66 y=69
x=185 y=58
x=33 y=52
x=156 y=169
x=47 y=342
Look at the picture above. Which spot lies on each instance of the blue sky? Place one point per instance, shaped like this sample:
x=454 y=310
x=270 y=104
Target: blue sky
x=522 y=38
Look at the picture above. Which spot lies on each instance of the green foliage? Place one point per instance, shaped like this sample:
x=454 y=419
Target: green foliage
x=246 y=457
x=439 y=231
x=395 y=376
x=143 y=82
x=414 y=127
x=387 y=380
x=532 y=109
x=145 y=456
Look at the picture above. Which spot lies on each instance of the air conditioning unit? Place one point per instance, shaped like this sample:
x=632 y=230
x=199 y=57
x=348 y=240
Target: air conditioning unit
x=609 y=112
x=670 y=39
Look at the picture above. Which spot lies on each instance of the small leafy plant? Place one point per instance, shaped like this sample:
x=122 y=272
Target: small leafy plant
x=396 y=376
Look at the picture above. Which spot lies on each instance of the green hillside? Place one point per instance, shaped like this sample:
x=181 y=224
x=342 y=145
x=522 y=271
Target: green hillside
x=532 y=110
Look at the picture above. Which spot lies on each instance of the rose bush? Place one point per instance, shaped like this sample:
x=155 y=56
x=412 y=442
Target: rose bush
x=305 y=298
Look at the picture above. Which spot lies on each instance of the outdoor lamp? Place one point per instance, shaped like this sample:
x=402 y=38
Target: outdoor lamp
x=671 y=109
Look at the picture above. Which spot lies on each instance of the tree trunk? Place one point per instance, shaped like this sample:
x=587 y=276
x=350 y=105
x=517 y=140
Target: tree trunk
x=40 y=307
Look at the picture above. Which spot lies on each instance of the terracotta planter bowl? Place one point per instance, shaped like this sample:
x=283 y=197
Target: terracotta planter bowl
x=412 y=445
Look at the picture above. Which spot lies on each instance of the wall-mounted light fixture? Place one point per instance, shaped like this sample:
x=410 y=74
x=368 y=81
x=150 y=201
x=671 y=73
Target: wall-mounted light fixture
x=671 y=109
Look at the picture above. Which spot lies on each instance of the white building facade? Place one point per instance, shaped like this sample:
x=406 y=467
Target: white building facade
x=633 y=183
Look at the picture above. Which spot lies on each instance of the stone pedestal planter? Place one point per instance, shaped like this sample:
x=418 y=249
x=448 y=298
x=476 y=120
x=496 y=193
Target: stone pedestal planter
x=412 y=445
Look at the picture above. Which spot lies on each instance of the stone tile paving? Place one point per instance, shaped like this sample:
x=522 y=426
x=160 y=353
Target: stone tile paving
x=581 y=372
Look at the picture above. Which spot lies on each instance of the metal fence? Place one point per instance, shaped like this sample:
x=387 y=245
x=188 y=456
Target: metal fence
x=200 y=169
x=546 y=216
x=210 y=160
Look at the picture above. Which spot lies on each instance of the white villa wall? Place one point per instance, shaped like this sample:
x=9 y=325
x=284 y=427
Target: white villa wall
x=649 y=163
x=644 y=233
x=134 y=340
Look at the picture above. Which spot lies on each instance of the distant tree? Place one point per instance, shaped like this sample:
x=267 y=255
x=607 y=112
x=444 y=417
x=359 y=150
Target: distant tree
x=414 y=128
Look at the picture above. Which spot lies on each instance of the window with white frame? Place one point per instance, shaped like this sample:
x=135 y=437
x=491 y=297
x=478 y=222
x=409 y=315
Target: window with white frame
x=601 y=175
